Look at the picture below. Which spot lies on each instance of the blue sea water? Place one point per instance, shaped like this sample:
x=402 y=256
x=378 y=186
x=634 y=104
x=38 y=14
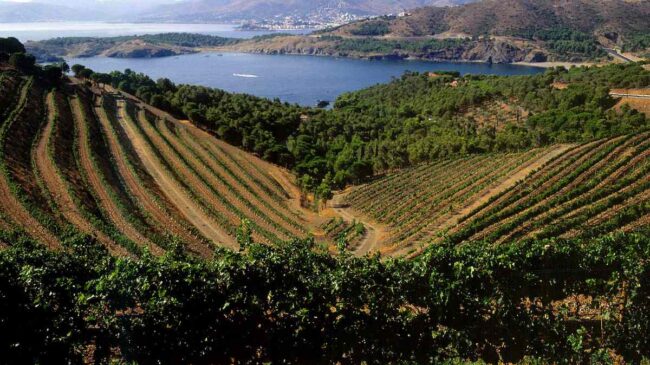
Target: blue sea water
x=295 y=79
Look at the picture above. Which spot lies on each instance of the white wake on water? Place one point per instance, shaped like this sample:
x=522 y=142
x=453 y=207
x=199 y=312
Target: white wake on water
x=248 y=76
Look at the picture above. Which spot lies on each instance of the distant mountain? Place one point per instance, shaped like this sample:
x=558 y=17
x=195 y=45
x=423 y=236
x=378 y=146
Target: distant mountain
x=601 y=18
x=230 y=10
x=500 y=31
x=74 y=10
x=15 y=12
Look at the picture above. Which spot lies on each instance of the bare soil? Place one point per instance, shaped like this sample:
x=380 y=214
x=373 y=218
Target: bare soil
x=173 y=190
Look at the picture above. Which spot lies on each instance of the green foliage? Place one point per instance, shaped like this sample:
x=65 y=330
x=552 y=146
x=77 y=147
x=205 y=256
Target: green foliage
x=392 y=46
x=371 y=28
x=10 y=46
x=640 y=42
x=290 y=304
x=77 y=68
x=566 y=43
x=188 y=39
x=22 y=61
x=176 y=39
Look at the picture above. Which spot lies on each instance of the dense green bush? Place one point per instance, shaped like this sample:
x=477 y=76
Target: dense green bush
x=11 y=45
x=291 y=304
x=640 y=42
x=371 y=28
x=566 y=43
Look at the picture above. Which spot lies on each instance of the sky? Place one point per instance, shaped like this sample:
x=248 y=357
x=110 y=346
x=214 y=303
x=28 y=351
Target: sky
x=92 y=9
x=146 y=2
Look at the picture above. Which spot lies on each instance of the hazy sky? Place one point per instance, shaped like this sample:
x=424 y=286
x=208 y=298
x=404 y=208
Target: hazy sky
x=90 y=3
x=151 y=2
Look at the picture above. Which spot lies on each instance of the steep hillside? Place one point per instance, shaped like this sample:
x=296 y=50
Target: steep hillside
x=564 y=191
x=88 y=160
x=610 y=18
x=488 y=30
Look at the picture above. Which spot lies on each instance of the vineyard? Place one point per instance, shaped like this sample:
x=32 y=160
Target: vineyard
x=78 y=159
x=129 y=234
x=564 y=191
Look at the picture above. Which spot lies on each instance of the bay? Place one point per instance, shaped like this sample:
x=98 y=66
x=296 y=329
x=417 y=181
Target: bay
x=295 y=79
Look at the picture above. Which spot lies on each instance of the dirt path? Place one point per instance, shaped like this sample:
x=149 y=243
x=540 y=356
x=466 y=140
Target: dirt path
x=375 y=233
x=12 y=206
x=56 y=186
x=159 y=215
x=172 y=189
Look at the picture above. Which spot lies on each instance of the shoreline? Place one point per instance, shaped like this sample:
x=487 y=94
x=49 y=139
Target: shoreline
x=229 y=50
x=390 y=58
x=553 y=64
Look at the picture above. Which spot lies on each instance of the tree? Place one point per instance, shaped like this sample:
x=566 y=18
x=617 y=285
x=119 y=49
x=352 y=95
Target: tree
x=52 y=73
x=22 y=61
x=11 y=45
x=85 y=73
x=101 y=79
x=65 y=68
x=77 y=69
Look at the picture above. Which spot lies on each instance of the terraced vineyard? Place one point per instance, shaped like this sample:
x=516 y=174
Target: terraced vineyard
x=103 y=164
x=563 y=191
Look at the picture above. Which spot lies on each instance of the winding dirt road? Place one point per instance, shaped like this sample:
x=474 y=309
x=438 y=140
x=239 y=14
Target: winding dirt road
x=376 y=233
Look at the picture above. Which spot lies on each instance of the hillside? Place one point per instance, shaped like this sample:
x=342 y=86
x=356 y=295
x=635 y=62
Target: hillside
x=488 y=30
x=16 y=12
x=602 y=18
x=136 y=228
x=144 y=46
x=564 y=191
x=104 y=164
x=94 y=160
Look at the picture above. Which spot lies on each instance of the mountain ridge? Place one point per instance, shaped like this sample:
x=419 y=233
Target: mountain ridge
x=235 y=10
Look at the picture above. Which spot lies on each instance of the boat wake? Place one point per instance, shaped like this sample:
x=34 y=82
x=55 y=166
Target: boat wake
x=248 y=76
